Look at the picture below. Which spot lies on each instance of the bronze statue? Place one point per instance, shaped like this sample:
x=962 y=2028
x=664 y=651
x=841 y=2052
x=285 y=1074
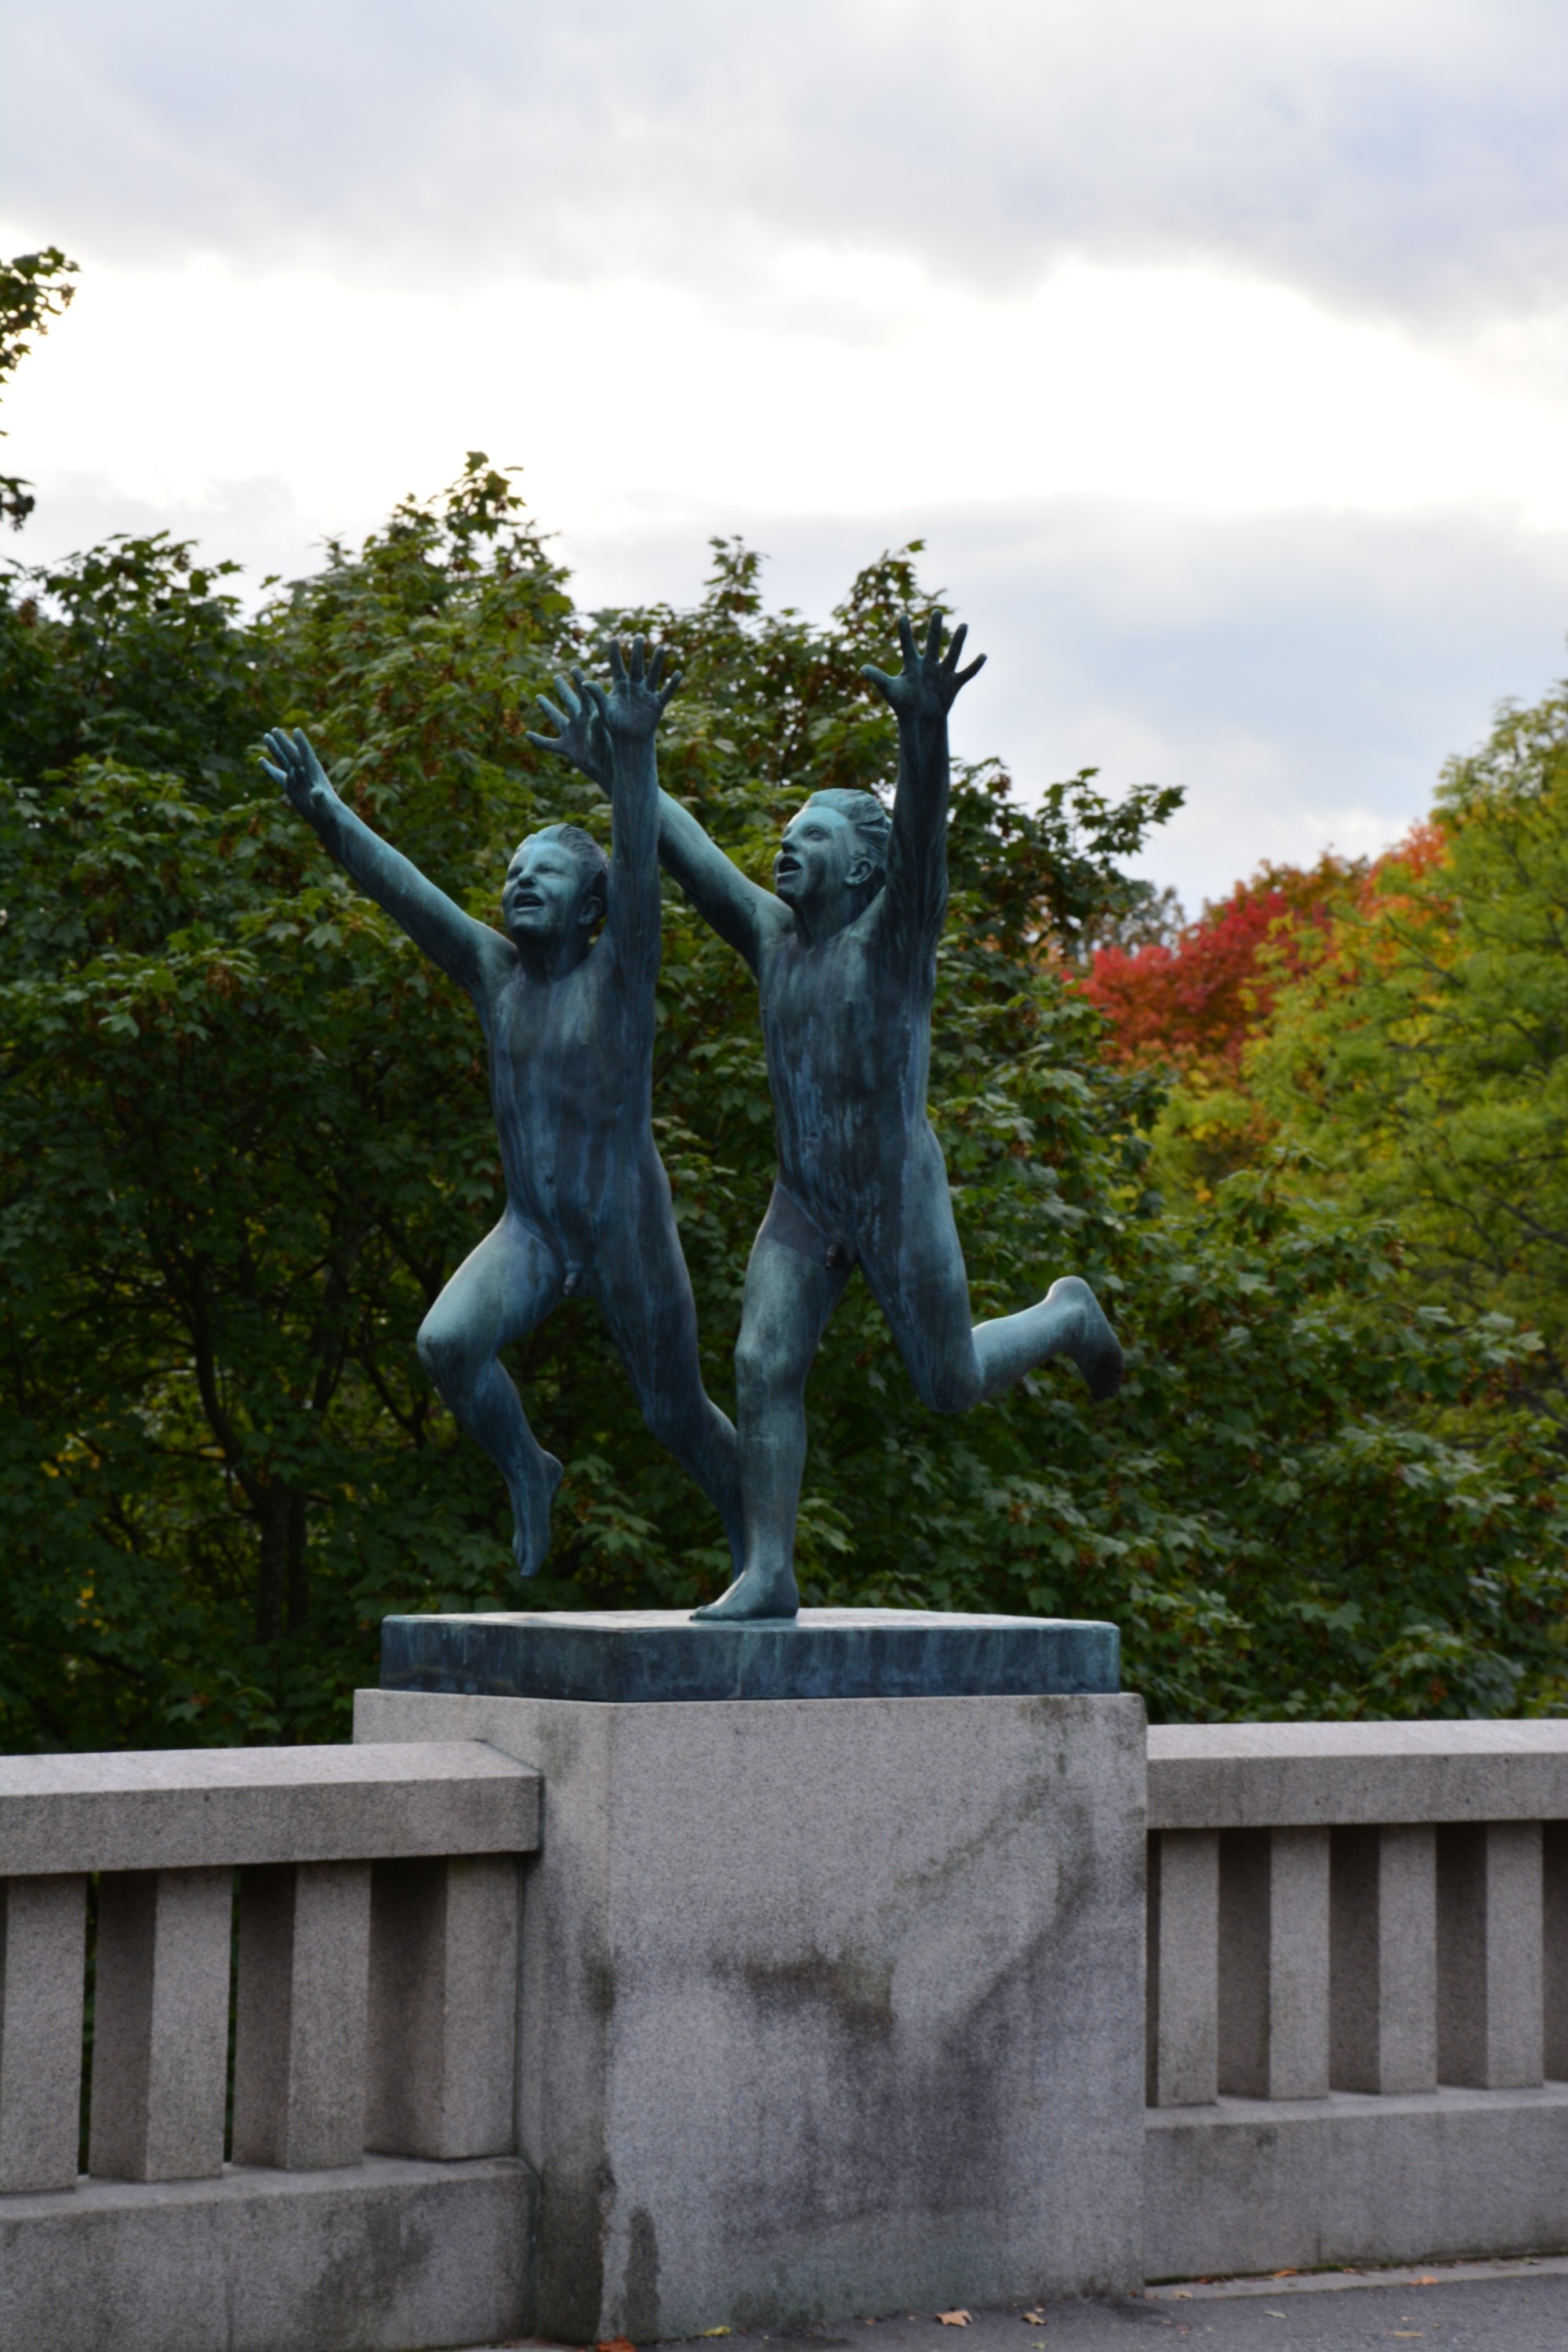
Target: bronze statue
x=564 y=993
x=843 y=952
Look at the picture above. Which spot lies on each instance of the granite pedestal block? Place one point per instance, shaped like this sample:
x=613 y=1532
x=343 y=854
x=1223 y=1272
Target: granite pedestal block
x=829 y=2007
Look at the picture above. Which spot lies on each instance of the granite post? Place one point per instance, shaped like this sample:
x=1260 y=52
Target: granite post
x=829 y=2006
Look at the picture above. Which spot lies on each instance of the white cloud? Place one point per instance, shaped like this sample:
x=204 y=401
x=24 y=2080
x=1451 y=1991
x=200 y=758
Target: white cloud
x=1221 y=351
x=1408 y=155
x=885 y=388
x=1303 y=676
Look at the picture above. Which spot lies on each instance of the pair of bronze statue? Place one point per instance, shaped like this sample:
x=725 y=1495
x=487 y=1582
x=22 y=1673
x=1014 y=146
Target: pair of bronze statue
x=843 y=950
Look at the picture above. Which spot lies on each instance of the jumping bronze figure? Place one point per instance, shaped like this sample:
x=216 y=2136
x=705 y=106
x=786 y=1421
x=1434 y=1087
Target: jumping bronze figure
x=843 y=952
x=564 y=993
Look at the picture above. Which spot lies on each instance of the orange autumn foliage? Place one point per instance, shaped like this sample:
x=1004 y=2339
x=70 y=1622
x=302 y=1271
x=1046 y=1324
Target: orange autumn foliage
x=1198 y=1002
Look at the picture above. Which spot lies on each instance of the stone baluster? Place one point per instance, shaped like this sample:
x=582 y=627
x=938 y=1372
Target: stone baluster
x=1384 y=1959
x=1554 y=1950
x=1274 y=1963
x=1489 y=1954
x=443 y=2008
x=161 y=2024
x=300 y=2014
x=43 y=1947
x=1184 y=1968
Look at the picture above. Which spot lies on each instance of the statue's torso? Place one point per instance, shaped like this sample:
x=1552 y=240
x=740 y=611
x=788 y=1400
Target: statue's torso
x=847 y=1025
x=571 y=1076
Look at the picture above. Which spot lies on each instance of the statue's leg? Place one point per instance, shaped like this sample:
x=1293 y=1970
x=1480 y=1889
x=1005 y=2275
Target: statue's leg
x=499 y=1295
x=915 y=1266
x=788 y=1299
x=919 y=1282
x=1067 y=1321
x=640 y=1281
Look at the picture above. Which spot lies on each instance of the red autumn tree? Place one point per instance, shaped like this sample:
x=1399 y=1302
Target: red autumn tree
x=1197 y=1000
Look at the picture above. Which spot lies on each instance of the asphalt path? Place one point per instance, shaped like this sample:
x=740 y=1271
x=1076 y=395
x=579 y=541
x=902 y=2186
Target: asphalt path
x=1474 y=2311
x=1452 y=2307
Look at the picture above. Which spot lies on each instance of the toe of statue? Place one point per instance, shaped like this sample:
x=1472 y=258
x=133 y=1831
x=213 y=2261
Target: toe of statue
x=754 y=1594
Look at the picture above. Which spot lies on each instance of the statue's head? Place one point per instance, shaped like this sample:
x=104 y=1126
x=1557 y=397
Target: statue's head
x=555 y=886
x=834 y=854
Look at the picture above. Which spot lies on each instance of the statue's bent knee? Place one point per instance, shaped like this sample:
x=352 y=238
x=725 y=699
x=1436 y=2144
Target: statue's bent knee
x=445 y=1353
x=765 y=1369
x=950 y=1389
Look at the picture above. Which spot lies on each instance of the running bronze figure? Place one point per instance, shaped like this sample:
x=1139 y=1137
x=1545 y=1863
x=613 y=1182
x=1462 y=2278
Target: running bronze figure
x=565 y=993
x=844 y=951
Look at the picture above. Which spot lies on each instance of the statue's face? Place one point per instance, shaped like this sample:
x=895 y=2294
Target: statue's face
x=816 y=860
x=546 y=894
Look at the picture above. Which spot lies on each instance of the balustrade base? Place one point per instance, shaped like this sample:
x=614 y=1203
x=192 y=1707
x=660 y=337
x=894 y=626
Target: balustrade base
x=386 y=2255
x=1258 y=2185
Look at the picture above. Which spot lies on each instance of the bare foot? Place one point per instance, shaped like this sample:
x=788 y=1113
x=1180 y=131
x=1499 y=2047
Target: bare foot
x=531 y=1509
x=1094 y=1348
x=757 y=1592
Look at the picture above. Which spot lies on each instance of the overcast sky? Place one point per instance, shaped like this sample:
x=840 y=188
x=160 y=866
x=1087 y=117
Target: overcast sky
x=1218 y=350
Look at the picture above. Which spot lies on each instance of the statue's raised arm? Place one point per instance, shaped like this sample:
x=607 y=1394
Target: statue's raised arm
x=468 y=952
x=920 y=696
x=738 y=909
x=610 y=736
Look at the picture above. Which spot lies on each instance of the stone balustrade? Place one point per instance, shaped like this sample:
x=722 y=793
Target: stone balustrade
x=349 y=1915
x=1357 y=1993
x=309 y=1966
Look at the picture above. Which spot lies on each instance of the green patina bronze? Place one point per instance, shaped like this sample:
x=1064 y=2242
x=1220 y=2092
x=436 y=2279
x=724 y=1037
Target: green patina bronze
x=843 y=953
x=565 y=993
x=626 y=1657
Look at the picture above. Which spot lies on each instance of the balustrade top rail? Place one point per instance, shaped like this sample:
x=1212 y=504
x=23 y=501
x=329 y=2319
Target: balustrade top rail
x=192 y=1808
x=1281 y=1775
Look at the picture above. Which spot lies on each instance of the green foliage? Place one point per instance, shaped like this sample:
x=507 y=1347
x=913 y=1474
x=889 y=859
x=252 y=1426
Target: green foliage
x=33 y=291
x=1317 y=1500
x=244 y=1138
x=131 y=652
x=246 y=1134
x=1425 y=1057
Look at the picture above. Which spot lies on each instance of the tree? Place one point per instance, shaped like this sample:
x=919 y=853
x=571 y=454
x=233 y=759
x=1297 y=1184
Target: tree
x=1424 y=1056
x=244 y=1138
x=33 y=291
x=1195 y=1005
x=228 y=1193
x=1193 y=1001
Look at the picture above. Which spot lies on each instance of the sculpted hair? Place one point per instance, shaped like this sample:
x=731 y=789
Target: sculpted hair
x=592 y=863
x=869 y=819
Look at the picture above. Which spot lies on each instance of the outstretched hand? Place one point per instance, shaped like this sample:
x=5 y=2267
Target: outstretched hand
x=635 y=703
x=587 y=717
x=925 y=689
x=300 y=773
x=580 y=736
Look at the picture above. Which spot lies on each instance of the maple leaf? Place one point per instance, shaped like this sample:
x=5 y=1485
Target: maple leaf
x=955 y=2318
